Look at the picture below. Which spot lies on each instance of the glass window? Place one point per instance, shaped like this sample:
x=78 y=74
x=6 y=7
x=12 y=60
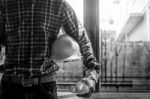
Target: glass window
x=77 y=5
x=109 y=15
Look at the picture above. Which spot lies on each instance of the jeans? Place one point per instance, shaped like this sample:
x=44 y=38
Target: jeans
x=42 y=91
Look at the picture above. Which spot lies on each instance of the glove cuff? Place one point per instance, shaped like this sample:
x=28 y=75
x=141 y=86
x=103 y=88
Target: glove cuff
x=91 y=89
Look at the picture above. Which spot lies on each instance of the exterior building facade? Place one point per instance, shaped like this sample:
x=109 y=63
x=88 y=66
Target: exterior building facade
x=133 y=22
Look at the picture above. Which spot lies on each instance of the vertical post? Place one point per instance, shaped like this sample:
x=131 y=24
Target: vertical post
x=116 y=64
x=105 y=56
x=124 y=59
x=91 y=24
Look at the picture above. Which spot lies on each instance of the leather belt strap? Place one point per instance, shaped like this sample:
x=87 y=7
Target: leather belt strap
x=27 y=82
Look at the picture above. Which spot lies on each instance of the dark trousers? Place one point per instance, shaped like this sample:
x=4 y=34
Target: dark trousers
x=15 y=91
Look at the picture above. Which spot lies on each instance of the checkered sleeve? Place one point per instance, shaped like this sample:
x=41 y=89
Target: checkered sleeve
x=2 y=29
x=2 y=23
x=73 y=27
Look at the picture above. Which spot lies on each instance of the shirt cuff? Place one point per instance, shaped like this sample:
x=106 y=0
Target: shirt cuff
x=92 y=74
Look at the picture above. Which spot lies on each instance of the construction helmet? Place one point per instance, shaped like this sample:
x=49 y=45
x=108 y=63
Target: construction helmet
x=65 y=48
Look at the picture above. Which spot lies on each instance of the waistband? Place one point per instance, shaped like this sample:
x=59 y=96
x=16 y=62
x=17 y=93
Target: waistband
x=28 y=82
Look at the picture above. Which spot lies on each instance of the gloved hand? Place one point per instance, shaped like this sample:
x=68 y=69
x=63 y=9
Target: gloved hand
x=84 y=88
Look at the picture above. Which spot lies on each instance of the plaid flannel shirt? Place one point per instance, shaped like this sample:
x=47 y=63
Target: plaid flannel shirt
x=28 y=28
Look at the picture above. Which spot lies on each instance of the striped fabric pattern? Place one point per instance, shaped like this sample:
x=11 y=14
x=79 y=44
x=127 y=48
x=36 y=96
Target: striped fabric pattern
x=29 y=27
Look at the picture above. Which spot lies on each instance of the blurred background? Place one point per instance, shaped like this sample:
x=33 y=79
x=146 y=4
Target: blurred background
x=119 y=31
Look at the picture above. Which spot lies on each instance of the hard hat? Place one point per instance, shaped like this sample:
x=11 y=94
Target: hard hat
x=65 y=48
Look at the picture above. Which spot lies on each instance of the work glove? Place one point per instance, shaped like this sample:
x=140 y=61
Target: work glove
x=84 y=88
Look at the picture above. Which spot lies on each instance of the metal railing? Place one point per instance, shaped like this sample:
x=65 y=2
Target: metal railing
x=125 y=66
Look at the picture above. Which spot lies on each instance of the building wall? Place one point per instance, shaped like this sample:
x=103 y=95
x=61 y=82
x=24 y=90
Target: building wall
x=127 y=7
x=139 y=33
x=136 y=5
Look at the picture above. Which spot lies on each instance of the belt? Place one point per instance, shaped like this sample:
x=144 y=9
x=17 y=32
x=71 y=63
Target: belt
x=28 y=82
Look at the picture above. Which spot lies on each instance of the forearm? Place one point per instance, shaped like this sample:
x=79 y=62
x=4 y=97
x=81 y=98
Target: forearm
x=2 y=35
x=91 y=66
x=73 y=27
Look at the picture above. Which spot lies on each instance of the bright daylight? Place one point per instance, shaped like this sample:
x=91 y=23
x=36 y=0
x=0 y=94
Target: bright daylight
x=46 y=54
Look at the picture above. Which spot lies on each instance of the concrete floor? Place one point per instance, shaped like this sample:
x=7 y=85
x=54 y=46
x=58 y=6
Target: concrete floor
x=106 y=95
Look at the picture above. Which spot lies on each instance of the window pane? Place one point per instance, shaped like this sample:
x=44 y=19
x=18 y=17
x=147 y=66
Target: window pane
x=77 y=5
x=108 y=15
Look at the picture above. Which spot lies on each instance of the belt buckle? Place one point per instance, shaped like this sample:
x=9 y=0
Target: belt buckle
x=27 y=82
